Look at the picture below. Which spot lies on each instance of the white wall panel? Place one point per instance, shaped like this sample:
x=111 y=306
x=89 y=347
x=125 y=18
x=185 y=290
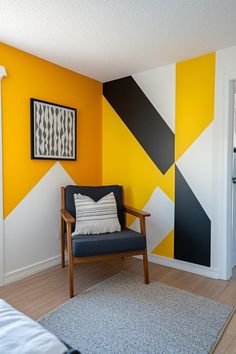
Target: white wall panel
x=32 y=228
x=161 y=222
x=196 y=167
x=159 y=86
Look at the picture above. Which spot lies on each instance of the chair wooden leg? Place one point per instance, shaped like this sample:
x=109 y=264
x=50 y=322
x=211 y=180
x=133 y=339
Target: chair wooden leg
x=62 y=257
x=145 y=267
x=62 y=252
x=70 y=260
x=71 y=278
x=62 y=228
x=62 y=244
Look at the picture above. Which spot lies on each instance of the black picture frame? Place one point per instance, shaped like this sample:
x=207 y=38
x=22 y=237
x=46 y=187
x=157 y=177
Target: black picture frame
x=53 y=131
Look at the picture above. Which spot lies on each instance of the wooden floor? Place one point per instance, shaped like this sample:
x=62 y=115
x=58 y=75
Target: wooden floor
x=47 y=290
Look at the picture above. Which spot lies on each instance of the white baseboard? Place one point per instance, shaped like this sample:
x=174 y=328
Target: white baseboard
x=233 y=258
x=168 y=262
x=31 y=269
x=185 y=266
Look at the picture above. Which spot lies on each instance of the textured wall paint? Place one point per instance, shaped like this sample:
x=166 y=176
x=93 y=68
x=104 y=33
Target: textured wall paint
x=32 y=187
x=29 y=76
x=189 y=88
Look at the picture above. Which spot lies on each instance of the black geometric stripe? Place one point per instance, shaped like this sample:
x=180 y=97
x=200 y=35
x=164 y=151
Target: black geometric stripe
x=142 y=119
x=192 y=239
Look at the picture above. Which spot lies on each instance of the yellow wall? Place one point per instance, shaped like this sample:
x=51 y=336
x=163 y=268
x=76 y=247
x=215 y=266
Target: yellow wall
x=30 y=76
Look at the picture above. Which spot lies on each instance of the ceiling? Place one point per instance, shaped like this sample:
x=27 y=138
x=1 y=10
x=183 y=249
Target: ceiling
x=107 y=39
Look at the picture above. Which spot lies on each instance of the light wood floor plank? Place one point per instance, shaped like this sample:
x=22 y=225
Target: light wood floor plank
x=43 y=292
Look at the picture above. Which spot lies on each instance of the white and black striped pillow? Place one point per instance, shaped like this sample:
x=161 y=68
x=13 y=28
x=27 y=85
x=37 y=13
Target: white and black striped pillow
x=96 y=217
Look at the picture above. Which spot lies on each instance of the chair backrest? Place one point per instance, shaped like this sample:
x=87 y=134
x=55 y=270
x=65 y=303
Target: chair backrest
x=95 y=193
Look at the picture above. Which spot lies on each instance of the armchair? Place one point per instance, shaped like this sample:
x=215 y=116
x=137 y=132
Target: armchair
x=93 y=248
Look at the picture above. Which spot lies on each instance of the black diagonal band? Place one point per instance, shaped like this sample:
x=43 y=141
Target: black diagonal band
x=192 y=225
x=142 y=119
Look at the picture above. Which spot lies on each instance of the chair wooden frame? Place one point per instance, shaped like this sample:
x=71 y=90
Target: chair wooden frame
x=68 y=219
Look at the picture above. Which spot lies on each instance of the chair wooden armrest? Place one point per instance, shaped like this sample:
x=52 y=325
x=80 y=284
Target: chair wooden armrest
x=140 y=214
x=136 y=212
x=68 y=218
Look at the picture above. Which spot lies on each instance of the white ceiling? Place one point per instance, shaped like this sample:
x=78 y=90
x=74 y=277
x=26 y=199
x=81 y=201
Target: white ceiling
x=107 y=39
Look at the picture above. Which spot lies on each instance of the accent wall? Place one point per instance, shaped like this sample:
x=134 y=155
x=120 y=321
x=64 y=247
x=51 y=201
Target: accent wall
x=32 y=187
x=152 y=132
x=157 y=142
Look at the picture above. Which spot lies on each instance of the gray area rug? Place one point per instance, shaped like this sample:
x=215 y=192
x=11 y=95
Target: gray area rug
x=123 y=315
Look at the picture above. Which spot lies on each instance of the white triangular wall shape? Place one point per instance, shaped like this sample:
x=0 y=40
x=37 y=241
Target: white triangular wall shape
x=32 y=228
x=159 y=87
x=196 y=167
x=161 y=222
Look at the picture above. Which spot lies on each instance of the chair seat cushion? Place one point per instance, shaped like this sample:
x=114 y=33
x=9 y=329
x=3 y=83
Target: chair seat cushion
x=126 y=240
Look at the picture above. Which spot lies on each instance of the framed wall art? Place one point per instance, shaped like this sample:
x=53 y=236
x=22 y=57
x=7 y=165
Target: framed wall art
x=53 y=131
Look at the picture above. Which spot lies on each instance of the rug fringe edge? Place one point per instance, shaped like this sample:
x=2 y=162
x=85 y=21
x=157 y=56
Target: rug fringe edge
x=222 y=331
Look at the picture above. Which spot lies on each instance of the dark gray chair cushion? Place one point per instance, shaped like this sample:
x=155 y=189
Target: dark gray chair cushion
x=95 y=193
x=93 y=245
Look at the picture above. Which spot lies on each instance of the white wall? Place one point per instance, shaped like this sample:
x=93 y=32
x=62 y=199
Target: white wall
x=33 y=227
x=2 y=75
x=222 y=161
x=159 y=86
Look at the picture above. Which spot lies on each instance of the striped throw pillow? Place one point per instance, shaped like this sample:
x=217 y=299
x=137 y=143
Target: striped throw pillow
x=96 y=217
